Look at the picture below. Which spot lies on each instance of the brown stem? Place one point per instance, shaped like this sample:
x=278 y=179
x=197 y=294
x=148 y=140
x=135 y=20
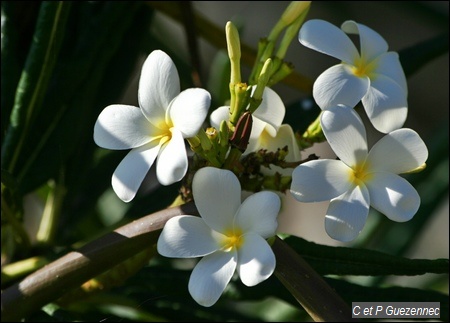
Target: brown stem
x=75 y=268
x=318 y=299
x=70 y=271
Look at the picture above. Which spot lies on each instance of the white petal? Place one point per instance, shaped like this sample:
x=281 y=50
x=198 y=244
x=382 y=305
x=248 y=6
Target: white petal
x=257 y=136
x=326 y=38
x=188 y=111
x=271 y=110
x=159 y=84
x=130 y=173
x=346 y=134
x=172 y=162
x=347 y=214
x=187 y=236
x=285 y=137
x=389 y=65
x=338 y=85
x=372 y=44
x=385 y=104
x=398 y=152
x=320 y=180
x=256 y=260
x=258 y=214
x=222 y=113
x=122 y=127
x=217 y=195
x=393 y=196
x=210 y=277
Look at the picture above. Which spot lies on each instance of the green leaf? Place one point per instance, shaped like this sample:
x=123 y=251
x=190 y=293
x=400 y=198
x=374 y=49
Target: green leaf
x=33 y=83
x=356 y=293
x=61 y=136
x=328 y=260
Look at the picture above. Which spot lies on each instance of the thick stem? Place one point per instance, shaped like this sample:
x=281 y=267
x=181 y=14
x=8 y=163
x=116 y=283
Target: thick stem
x=75 y=268
x=318 y=299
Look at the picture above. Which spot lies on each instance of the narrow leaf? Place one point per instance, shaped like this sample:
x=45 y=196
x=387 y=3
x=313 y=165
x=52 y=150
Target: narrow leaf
x=329 y=260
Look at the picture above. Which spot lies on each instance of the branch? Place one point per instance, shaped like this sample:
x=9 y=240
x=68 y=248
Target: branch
x=72 y=270
x=318 y=299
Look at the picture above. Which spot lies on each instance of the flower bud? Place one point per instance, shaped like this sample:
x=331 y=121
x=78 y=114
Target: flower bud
x=241 y=135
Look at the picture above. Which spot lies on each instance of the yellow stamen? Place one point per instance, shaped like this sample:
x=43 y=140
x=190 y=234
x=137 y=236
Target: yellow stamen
x=233 y=240
x=363 y=68
x=359 y=174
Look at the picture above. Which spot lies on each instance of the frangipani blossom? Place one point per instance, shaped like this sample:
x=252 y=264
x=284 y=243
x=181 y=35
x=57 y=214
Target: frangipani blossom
x=284 y=137
x=229 y=235
x=372 y=75
x=155 y=130
x=361 y=178
x=267 y=118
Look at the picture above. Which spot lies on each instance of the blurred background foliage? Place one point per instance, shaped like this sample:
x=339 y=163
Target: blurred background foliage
x=63 y=62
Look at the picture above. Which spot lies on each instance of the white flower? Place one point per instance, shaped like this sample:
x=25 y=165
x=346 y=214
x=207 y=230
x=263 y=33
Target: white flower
x=284 y=137
x=229 y=235
x=374 y=75
x=266 y=119
x=361 y=178
x=155 y=130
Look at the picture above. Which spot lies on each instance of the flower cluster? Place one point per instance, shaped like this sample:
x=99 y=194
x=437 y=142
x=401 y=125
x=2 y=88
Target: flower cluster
x=247 y=146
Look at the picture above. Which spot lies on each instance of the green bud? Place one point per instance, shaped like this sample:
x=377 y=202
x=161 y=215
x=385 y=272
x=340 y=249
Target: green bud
x=234 y=52
x=294 y=10
x=204 y=141
x=263 y=79
x=224 y=134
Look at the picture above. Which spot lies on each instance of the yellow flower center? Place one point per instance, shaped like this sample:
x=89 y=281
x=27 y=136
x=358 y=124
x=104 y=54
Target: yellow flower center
x=233 y=240
x=359 y=174
x=363 y=68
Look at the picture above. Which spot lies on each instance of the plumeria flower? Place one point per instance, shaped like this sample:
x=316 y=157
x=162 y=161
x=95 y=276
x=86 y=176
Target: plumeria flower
x=373 y=75
x=229 y=235
x=284 y=137
x=360 y=178
x=266 y=119
x=155 y=130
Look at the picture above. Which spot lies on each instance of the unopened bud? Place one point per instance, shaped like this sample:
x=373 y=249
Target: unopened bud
x=234 y=52
x=241 y=135
x=295 y=9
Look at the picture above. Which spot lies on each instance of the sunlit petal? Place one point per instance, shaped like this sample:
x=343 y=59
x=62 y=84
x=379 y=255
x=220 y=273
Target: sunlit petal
x=372 y=44
x=347 y=214
x=258 y=214
x=217 y=195
x=338 y=85
x=221 y=113
x=393 y=196
x=271 y=110
x=320 y=180
x=398 y=152
x=326 y=38
x=256 y=260
x=345 y=133
x=188 y=111
x=389 y=65
x=385 y=104
x=122 y=127
x=131 y=171
x=172 y=162
x=210 y=277
x=158 y=85
x=187 y=236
